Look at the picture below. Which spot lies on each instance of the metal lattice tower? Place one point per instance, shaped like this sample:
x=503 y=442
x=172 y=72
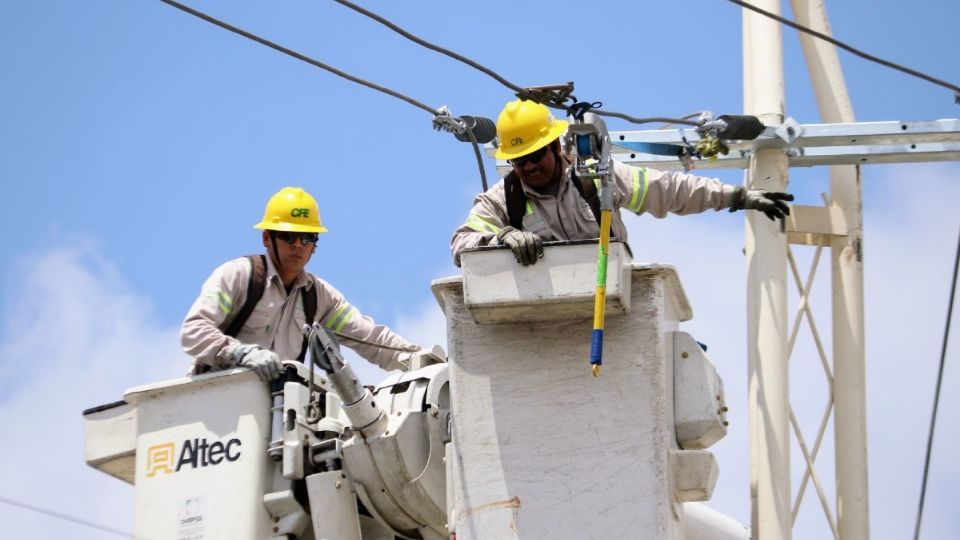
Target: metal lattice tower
x=772 y=260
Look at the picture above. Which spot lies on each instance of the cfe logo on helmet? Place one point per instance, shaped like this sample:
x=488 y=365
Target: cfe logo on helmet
x=292 y=210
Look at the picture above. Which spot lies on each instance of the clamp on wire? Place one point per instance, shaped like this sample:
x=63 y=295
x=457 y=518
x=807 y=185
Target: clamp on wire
x=476 y=130
x=444 y=120
x=710 y=145
x=551 y=95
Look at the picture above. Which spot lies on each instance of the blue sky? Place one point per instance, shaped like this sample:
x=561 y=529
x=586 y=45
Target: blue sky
x=138 y=146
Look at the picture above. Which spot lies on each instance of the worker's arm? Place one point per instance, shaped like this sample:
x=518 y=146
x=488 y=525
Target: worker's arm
x=486 y=219
x=658 y=192
x=376 y=343
x=643 y=190
x=222 y=294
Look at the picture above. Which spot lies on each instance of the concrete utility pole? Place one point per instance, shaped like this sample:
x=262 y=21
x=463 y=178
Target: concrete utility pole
x=849 y=385
x=766 y=247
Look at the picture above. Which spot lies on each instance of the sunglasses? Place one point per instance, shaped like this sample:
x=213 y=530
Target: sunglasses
x=532 y=157
x=306 y=238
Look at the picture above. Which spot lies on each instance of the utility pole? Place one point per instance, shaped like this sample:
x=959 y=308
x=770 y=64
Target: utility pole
x=766 y=247
x=849 y=381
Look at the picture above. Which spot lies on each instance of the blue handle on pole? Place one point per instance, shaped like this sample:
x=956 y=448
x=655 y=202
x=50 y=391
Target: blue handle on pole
x=596 y=346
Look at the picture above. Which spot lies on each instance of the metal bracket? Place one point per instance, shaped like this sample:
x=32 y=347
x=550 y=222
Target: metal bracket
x=789 y=130
x=290 y=517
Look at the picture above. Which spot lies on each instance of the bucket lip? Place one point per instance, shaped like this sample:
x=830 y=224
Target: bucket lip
x=105 y=407
x=138 y=393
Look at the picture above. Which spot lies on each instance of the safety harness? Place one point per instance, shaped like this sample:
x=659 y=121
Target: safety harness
x=517 y=200
x=255 y=288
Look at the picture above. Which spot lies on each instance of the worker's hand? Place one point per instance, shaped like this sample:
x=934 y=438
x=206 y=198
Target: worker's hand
x=266 y=363
x=771 y=203
x=526 y=246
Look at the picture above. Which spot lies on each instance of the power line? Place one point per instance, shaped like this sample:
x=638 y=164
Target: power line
x=850 y=49
x=429 y=45
x=936 y=398
x=443 y=120
x=521 y=92
x=64 y=517
x=299 y=56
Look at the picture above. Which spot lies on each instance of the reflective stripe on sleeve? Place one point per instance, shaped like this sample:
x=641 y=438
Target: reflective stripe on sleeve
x=341 y=317
x=479 y=224
x=639 y=189
x=224 y=302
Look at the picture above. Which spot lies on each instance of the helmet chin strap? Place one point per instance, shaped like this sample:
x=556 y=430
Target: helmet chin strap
x=276 y=254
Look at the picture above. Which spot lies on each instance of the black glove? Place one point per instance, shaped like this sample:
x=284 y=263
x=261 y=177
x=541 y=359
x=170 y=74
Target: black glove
x=769 y=202
x=527 y=247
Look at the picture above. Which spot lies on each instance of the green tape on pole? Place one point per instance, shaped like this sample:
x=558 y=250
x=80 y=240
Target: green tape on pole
x=602 y=270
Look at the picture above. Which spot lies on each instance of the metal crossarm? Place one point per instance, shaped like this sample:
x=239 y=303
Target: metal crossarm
x=810 y=144
x=807 y=145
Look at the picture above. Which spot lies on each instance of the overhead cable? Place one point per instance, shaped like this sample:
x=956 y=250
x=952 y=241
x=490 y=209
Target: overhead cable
x=936 y=398
x=850 y=49
x=427 y=44
x=299 y=56
x=442 y=119
x=64 y=517
x=522 y=93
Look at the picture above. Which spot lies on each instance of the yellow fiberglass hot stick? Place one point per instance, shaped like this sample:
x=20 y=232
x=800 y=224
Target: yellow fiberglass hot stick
x=600 y=297
x=589 y=141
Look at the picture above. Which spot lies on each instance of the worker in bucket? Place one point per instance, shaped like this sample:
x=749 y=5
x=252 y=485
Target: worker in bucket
x=539 y=200
x=251 y=311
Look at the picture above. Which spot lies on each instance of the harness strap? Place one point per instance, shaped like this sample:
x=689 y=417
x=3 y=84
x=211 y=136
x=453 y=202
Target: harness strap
x=516 y=199
x=255 y=287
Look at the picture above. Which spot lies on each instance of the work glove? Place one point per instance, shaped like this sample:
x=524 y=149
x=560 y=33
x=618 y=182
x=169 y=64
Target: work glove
x=769 y=202
x=265 y=363
x=526 y=246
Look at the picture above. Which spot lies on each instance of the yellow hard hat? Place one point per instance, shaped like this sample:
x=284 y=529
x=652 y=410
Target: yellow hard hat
x=292 y=209
x=524 y=127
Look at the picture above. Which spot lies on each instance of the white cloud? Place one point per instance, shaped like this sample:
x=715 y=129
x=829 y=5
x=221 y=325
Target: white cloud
x=74 y=337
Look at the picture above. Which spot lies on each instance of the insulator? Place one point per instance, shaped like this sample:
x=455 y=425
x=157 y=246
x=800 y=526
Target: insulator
x=740 y=127
x=484 y=130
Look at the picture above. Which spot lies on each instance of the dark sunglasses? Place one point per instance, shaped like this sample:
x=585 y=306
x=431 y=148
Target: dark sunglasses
x=533 y=157
x=306 y=238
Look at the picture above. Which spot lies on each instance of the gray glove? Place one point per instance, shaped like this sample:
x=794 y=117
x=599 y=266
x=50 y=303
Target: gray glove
x=769 y=202
x=526 y=246
x=266 y=363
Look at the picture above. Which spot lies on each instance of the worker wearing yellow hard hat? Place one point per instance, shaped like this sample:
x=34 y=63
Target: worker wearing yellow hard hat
x=540 y=199
x=292 y=209
x=251 y=310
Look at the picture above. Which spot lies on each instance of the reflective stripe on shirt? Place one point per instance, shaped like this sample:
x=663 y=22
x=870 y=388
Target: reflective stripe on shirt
x=479 y=224
x=639 y=192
